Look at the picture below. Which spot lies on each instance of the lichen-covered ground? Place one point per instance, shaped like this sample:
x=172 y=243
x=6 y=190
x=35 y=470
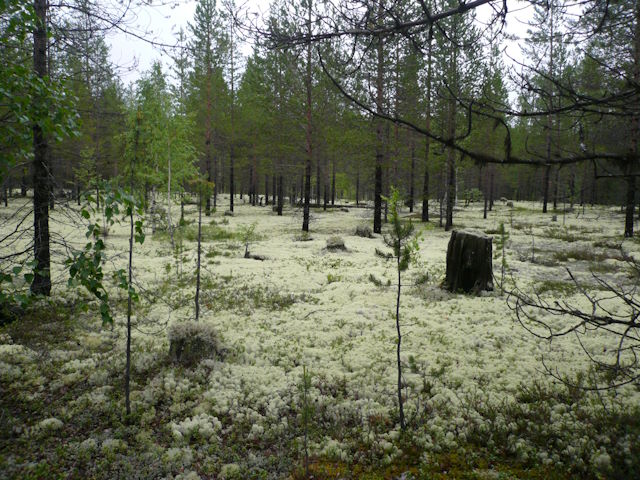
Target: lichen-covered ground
x=478 y=401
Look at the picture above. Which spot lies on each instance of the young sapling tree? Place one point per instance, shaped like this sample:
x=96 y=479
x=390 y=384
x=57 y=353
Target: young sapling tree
x=204 y=188
x=501 y=243
x=85 y=266
x=403 y=241
x=247 y=236
x=307 y=415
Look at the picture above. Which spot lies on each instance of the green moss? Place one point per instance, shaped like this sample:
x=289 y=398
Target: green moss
x=556 y=286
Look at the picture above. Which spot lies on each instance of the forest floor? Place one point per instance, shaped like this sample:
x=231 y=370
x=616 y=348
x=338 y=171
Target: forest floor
x=479 y=403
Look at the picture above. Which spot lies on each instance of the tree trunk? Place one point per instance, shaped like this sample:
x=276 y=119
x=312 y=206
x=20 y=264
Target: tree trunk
x=441 y=196
x=469 y=262
x=127 y=370
x=169 y=220
x=412 y=173
x=545 y=186
x=325 y=190
x=358 y=186
x=41 y=284
x=273 y=189
x=483 y=190
x=280 y=195
x=556 y=189
x=572 y=186
x=197 y=299
x=309 y=147
x=398 y=346
x=451 y=133
x=208 y=136
x=333 y=181
x=23 y=181
x=215 y=181
x=427 y=141
x=492 y=187
x=182 y=208
x=451 y=188
x=631 y=200
x=377 y=208
x=635 y=133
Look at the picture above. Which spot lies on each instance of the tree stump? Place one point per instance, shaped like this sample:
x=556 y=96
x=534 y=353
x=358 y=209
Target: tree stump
x=469 y=262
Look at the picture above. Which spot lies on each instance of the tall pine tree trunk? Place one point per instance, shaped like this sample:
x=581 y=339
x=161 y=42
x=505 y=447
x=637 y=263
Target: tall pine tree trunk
x=197 y=298
x=280 y=195
x=545 y=186
x=412 y=174
x=358 y=185
x=309 y=150
x=451 y=134
x=632 y=165
x=41 y=283
x=377 y=206
x=208 y=136
x=231 y=140
x=427 y=140
x=333 y=181
x=547 y=172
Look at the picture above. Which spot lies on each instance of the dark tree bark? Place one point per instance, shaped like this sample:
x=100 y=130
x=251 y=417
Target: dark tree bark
x=273 y=189
x=412 y=173
x=547 y=171
x=197 y=299
x=181 y=208
x=358 y=186
x=207 y=167
x=469 y=262
x=545 y=186
x=127 y=369
x=377 y=206
x=23 y=181
x=309 y=147
x=556 y=189
x=484 y=192
x=333 y=181
x=41 y=284
x=631 y=199
x=215 y=181
x=280 y=195
x=572 y=186
x=427 y=141
x=635 y=134
x=232 y=186
x=492 y=187
x=451 y=133
x=318 y=187
x=451 y=189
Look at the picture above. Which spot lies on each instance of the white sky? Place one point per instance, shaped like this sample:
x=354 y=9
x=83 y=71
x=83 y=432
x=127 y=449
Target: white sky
x=135 y=56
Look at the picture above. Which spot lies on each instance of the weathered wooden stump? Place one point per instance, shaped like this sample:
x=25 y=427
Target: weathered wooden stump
x=469 y=262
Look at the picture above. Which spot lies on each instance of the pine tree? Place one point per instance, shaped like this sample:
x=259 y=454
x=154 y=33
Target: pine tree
x=209 y=49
